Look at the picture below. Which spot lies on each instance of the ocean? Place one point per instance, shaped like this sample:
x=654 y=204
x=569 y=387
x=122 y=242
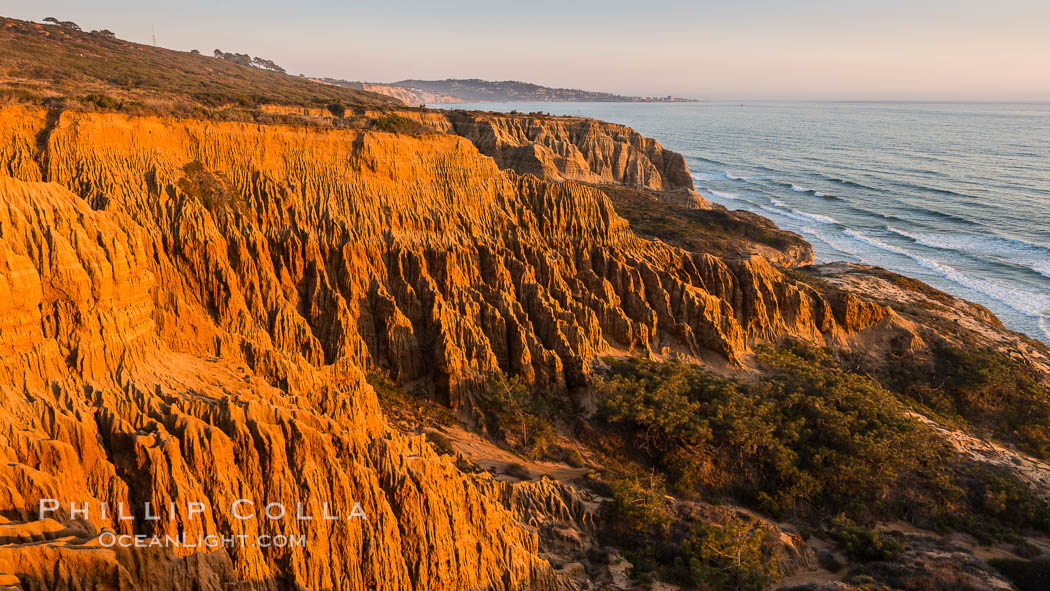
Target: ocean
x=955 y=195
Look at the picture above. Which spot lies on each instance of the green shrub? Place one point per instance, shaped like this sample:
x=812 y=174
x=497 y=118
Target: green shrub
x=805 y=435
x=520 y=417
x=571 y=456
x=102 y=101
x=337 y=109
x=413 y=407
x=204 y=186
x=394 y=123
x=861 y=543
x=637 y=506
x=985 y=388
x=1005 y=505
x=386 y=391
x=732 y=555
x=806 y=439
x=20 y=96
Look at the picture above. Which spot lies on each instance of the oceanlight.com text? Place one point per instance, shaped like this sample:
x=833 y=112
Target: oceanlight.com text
x=208 y=542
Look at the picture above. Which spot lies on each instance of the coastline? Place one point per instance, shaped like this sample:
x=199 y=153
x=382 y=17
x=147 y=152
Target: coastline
x=932 y=228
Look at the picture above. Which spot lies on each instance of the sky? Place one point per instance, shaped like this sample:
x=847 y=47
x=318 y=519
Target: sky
x=744 y=49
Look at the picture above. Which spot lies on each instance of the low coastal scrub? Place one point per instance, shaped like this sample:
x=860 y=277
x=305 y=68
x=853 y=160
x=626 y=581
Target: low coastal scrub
x=984 y=389
x=699 y=230
x=206 y=187
x=1026 y=575
x=640 y=519
x=413 y=407
x=52 y=61
x=806 y=441
x=394 y=123
x=861 y=543
x=805 y=438
x=731 y=555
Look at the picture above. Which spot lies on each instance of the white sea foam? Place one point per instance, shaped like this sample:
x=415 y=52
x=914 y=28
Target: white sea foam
x=801 y=189
x=802 y=216
x=705 y=176
x=877 y=243
x=856 y=244
x=824 y=219
x=847 y=247
x=724 y=195
x=1024 y=301
x=1026 y=254
x=731 y=177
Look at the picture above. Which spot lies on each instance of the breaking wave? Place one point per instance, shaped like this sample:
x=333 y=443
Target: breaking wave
x=1019 y=252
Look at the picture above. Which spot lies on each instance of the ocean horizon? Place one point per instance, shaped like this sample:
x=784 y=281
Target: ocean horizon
x=955 y=194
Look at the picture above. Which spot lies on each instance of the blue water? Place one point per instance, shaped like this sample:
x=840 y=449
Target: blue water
x=956 y=195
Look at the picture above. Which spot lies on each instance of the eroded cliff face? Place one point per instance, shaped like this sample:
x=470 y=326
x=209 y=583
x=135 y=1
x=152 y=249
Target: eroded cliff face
x=579 y=149
x=100 y=405
x=189 y=306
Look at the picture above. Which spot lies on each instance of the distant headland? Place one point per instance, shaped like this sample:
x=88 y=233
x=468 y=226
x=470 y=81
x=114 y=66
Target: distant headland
x=475 y=90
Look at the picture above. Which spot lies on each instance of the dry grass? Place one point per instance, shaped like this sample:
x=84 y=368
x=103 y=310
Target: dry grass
x=56 y=66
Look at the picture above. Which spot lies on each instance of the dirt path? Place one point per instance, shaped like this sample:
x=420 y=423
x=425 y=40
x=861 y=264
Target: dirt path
x=492 y=458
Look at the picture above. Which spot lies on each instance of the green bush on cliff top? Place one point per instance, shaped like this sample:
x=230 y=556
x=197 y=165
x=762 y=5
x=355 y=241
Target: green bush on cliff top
x=806 y=436
x=805 y=441
x=986 y=389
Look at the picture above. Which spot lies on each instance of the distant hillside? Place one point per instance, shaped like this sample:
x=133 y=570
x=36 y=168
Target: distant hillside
x=475 y=90
x=39 y=62
x=410 y=96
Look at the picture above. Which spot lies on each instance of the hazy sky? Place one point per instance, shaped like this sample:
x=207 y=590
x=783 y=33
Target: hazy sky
x=836 y=49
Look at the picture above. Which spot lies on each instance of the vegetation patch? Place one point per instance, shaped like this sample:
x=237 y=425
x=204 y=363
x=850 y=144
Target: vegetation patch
x=808 y=442
x=206 y=187
x=717 y=231
x=394 y=123
x=404 y=407
x=59 y=61
x=985 y=388
x=861 y=543
x=1026 y=575
x=442 y=444
x=731 y=555
x=804 y=439
x=662 y=543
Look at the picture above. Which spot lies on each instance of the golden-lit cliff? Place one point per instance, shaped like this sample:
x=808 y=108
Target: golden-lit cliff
x=507 y=351
x=189 y=306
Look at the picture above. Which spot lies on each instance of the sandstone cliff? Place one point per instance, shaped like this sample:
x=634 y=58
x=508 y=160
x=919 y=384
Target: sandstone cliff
x=580 y=149
x=308 y=295
x=189 y=307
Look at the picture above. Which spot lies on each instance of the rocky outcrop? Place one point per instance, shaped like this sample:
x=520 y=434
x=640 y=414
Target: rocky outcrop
x=933 y=315
x=189 y=306
x=579 y=149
